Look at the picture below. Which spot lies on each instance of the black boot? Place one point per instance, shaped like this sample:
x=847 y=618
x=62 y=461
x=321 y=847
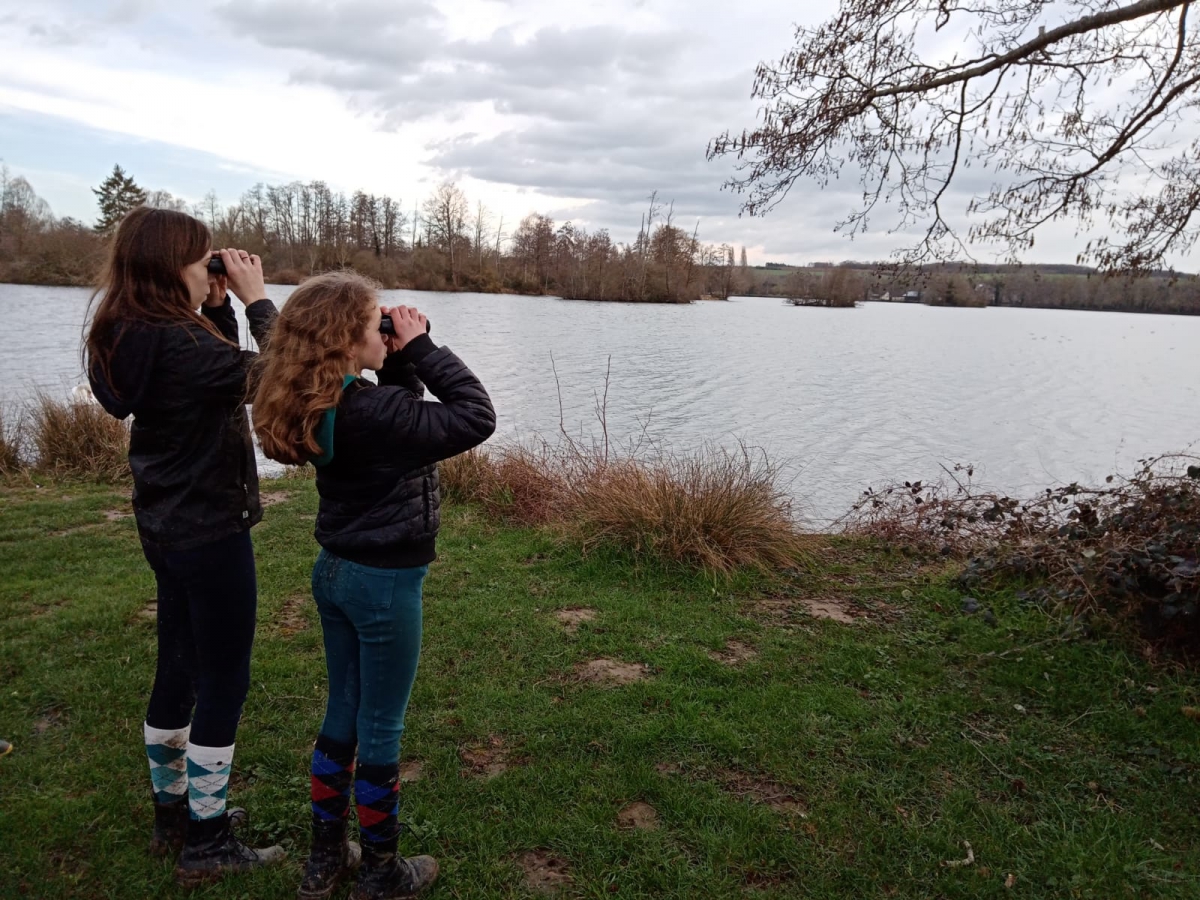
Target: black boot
x=171 y=824
x=332 y=859
x=211 y=851
x=385 y=875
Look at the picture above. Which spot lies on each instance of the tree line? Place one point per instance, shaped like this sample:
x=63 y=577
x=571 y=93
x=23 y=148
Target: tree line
x=442 y=243
x=1035 y=286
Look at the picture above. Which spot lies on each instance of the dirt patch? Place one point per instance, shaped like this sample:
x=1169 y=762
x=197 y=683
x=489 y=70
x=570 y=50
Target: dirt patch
x=117 y=515
x=273 y=498
x=735 y=653
x=485 y=761
x=412 y=771
x=668 y=768
x=837 y=609
x=52 y=719
x=833 y=607
x=612 y=671
x=291 y=618
x=43 y=610
x=572 y=618
x=149 y=611
x=542 y=872
x=638 y=815
x=781 y=799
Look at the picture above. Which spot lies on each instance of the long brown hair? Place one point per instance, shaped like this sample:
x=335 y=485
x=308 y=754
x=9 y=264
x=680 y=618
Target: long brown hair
x=142 y=280
x=301 y=371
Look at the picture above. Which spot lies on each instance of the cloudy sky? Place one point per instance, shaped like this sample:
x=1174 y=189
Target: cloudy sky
x=579 y=110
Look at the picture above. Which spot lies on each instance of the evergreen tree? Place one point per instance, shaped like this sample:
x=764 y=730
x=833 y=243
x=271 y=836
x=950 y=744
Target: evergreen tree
x=117 y=196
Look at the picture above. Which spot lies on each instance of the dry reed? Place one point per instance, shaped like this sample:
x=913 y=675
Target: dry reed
x=78 y=439
x=717 y=510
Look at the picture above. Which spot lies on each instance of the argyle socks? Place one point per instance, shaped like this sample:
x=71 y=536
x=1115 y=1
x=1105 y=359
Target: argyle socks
x=208 y=780
x=332 y=776
x=377 y=793
x=167 y=752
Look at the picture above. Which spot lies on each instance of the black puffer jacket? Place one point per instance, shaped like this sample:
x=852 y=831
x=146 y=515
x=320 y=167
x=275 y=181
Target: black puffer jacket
x=194 y=475
x=380 y=499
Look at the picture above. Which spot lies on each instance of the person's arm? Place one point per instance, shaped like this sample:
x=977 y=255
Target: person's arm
x=212 y=368
x=223 y=317
x=245 y=276
x=425 y=432
x=400 y=369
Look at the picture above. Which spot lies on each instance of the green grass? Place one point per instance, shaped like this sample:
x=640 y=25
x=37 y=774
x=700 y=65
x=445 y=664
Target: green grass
x=899 y=735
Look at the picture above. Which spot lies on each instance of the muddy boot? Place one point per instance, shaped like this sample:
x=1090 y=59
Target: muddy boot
x=171 y=824
x=211 y=851
x=385 y=875
x=331 y=861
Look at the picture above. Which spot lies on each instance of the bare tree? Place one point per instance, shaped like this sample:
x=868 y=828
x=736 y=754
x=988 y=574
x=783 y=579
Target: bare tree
x=445 y=221
x=1061 y=102
x=481 y=224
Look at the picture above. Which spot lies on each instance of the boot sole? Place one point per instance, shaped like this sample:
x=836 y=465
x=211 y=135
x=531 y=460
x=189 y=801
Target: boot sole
x=190 y=878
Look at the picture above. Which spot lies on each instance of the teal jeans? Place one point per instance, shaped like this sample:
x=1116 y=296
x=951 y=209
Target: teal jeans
x=371 y=622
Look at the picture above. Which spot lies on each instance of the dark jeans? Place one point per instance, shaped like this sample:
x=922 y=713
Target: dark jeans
x=371 y=621
x=207 y=602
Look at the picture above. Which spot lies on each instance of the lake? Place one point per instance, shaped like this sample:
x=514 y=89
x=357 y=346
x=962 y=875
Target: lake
x=843 y=398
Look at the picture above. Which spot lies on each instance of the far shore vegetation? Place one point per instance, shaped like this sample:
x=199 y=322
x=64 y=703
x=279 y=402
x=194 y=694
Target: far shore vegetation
x=447 y=244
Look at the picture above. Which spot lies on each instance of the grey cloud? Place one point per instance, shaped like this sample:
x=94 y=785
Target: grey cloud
x=603 y=113
x=397 y=35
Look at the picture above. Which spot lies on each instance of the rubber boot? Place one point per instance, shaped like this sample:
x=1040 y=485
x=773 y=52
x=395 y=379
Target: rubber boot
x=332 y=860
x=211 y=851
x=171 y=824
x=385 y=875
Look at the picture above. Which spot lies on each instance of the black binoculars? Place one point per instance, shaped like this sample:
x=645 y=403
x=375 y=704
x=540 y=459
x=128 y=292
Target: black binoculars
x=216 y=266
x=386 y=326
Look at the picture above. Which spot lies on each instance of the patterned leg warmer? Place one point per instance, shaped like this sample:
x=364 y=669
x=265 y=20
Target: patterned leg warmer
x=208 y=780
x=167 y=752
x=332 y=776
x=377 y=792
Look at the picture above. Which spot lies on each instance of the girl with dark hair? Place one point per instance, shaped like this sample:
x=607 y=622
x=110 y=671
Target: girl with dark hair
x=376 y=449
x=163 y=347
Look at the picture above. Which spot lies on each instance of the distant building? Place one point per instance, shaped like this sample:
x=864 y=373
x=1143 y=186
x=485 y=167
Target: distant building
x=912 y=296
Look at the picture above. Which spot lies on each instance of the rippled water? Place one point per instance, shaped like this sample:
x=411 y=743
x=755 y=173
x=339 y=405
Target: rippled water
x=846 y=398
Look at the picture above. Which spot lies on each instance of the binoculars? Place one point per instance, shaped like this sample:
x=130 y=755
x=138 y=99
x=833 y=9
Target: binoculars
x=216 y=266
x=386 y=326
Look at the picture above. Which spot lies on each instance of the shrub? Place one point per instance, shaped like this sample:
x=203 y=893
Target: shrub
x=78 y=438
x=1129 y=550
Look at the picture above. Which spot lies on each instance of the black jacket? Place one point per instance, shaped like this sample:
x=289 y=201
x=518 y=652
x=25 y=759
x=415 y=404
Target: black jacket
x=194 y=475
x=380 y=500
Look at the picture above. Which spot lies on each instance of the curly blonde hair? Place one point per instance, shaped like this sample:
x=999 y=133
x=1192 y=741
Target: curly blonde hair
x=310 y=352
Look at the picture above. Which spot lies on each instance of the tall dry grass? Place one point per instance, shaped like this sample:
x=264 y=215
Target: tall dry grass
x=78 y=439
x=717 y=510
x=12 y=436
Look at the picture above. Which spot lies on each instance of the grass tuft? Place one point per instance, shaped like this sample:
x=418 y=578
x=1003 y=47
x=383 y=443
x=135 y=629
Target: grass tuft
x=78 y=439
x=716 y=510
x=11 y=441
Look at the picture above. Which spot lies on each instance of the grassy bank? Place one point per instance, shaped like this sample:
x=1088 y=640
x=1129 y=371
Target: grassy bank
x=835 y=734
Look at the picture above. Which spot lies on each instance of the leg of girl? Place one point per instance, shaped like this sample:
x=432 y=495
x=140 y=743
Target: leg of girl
x=333 y=857
x=384 y=608
x=218 y=586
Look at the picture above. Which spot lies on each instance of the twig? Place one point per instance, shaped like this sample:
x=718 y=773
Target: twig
x=959 y=863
